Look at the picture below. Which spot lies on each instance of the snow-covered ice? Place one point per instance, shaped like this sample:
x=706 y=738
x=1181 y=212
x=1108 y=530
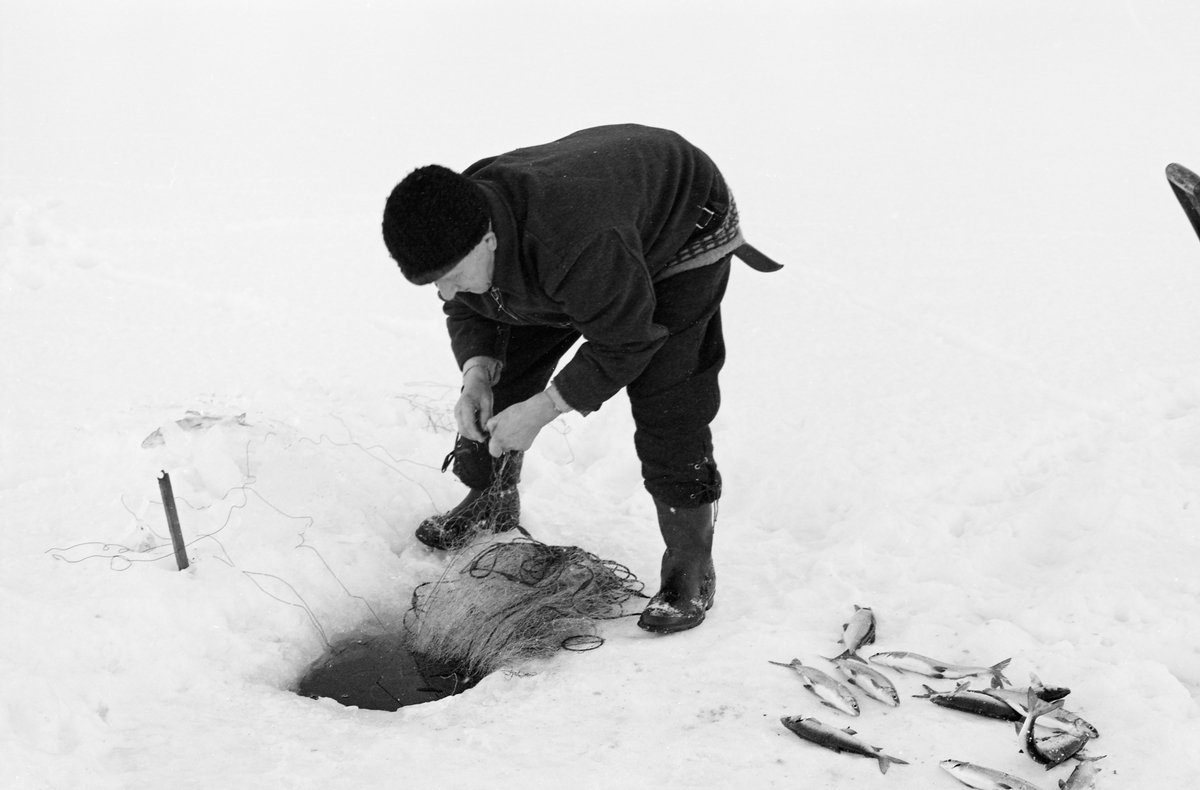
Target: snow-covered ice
x=971 y=401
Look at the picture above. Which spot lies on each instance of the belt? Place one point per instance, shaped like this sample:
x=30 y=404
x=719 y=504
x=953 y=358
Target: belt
x=711 y=216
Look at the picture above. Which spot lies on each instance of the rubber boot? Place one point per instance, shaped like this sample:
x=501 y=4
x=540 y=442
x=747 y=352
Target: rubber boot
x=482 y=511
x=689 y=581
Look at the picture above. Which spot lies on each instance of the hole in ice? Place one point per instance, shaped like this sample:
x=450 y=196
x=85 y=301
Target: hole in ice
x=379 y=672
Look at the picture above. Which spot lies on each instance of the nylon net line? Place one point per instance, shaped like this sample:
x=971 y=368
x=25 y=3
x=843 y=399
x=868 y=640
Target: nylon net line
x=514 y=602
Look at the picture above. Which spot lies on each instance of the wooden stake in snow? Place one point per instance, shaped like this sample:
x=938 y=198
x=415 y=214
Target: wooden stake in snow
x=168 y=496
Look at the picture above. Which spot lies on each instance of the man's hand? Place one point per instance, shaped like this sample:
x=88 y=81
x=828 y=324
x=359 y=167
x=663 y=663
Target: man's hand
x=474 y=407
x=516 y=427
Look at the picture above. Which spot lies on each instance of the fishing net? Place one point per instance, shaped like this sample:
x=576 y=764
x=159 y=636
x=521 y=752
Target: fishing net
x=516 y=601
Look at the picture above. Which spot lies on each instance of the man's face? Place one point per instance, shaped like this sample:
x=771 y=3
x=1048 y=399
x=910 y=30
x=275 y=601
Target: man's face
x=473 y=273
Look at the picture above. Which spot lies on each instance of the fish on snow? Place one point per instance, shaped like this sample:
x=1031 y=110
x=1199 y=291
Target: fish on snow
x=827 y=689
x=930 y=667
x=1049 y=750
x=1003 y=705
x=981 y=778
x=859 y=631
x=1084 y=775
x=813 y=730
x=873 y=682
x=1056 y=719
x=981 y=703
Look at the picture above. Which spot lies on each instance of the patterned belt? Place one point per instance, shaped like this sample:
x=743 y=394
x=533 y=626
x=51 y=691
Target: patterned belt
x=717 y=234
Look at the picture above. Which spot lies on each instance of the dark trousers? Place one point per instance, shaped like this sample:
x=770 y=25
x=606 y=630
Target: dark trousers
x=674 y=399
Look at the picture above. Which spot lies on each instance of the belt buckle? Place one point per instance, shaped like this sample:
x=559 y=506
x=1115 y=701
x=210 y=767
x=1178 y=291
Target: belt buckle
x=705 y=218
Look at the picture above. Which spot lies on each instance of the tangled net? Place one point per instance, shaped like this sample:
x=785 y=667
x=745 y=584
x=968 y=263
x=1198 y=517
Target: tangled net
x=514 y=602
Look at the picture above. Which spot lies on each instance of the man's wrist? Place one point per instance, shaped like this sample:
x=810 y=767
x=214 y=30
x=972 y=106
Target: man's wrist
x=489 y=367
x=547 y=411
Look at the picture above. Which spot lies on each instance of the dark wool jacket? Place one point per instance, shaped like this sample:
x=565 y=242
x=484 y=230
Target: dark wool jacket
x=583 y=225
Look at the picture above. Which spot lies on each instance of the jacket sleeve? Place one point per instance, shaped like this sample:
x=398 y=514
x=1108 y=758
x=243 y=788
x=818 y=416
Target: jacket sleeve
x=607 y=293
x=473 y=335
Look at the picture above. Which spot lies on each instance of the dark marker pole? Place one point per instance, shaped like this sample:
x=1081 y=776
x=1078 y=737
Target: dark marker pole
x=168 y=496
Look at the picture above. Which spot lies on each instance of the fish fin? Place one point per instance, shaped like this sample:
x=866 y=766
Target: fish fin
x=928 y=693
x=793 y=663
x=857 y=607
x=885 y=760
x=844 y=654
x=998 y=679
x=1039 y=707
x=849 y=731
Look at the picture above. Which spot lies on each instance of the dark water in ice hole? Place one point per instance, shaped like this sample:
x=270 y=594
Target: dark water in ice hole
x=378 y=672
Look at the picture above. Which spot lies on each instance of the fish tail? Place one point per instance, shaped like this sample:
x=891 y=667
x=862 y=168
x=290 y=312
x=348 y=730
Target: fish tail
x=998 y=679
x=1036 y=707
x=886 y=760
x=845 y=654
x=1039 y=706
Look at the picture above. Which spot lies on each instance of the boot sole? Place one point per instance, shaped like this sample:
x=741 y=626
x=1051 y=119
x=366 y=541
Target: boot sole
x=668 y=628
x=671 y=626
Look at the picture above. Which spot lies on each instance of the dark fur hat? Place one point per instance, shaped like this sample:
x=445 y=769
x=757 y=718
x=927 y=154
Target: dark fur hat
x=432 y=219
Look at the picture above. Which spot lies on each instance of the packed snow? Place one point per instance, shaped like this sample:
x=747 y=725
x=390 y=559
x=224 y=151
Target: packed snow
x=971 y=400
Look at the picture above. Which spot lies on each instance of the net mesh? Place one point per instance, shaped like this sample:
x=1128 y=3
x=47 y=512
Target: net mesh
x=516 y=601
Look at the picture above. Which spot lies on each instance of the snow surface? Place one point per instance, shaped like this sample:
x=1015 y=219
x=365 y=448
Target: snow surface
x=970 y=401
